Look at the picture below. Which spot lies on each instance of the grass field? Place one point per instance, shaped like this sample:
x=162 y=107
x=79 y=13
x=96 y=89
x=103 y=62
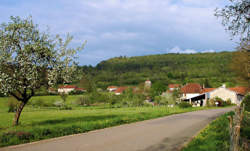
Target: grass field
x=48 y=122
x=215 y=137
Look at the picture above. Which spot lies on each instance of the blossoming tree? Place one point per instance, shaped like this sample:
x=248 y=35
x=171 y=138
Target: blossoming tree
x=30 y=59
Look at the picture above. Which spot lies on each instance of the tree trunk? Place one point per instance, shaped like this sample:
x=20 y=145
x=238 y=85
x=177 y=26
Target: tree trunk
x=18 y=113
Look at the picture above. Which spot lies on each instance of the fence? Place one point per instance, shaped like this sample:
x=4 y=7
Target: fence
x=234 y=130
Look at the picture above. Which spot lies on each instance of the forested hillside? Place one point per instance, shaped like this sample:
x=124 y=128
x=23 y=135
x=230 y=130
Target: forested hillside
x=211 y=69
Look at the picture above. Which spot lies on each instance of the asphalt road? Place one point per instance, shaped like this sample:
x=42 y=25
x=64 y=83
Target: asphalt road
x=163 y=134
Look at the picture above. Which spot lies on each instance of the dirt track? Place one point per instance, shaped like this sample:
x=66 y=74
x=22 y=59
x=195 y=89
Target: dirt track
x=163 y=134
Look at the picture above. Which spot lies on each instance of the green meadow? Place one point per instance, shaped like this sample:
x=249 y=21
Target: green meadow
x=37 y=123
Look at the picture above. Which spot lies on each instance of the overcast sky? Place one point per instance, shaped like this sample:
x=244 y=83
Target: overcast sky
x=128 y=27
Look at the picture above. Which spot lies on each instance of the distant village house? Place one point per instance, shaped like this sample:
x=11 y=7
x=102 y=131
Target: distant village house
x=112 y=88
x=69 y=88
x=172 y=87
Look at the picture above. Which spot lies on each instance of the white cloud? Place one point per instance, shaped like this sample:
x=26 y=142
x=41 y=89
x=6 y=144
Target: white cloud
x=209 y=51
x=177 y=49
x=129 y=27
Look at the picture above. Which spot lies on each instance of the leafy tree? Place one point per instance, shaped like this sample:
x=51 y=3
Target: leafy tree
x=236 y=18
x=241 y=63
x=30 y=59
x=157 y=89
x=87 y=83
x=176 y=94
x=207 y=84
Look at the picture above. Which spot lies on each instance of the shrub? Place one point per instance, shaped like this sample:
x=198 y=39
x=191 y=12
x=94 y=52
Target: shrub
x=221 y=102
x=76 y=92
x=210 y=103
x=246 y=101
x=184 y=105
x=98 y=97
x=84 y=101
x=24 y=135
x=228 y=102
x=138 y=100
x=12 y=104
x=114 y=99
x=5 y=137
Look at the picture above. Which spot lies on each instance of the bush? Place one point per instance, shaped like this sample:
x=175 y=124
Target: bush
x=76 y=92
x=246 y=101
x=228 y=102
x=12 y=104
x=114 y=99
x=84 y=101
x=221 y=102
x=184 y=105
x=138 y=100
x=98 y=97
x=210 y=103
x=23 y=136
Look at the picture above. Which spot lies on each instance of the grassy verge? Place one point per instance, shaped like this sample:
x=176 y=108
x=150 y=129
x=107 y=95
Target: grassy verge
x=245 y=127
x=215 y=137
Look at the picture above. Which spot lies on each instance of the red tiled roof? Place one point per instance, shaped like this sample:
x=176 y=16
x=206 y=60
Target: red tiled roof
x=173 y=86
x=205 y=90
x=239 y=90
x=120 y=89
x=112 y=87
x=191 y=88
x=68 y=87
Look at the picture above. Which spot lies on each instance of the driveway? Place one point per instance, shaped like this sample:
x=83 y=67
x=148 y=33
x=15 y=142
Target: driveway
x=163 y=134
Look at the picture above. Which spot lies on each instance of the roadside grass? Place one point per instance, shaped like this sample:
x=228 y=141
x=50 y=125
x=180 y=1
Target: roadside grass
x=43 y=123
x=215 y=137
x=245 y=129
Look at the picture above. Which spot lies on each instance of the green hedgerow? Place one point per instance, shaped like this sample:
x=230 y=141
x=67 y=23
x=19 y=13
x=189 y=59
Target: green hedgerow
x=184 y=105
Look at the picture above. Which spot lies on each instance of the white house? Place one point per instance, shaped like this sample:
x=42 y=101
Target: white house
x=68 y=88
x=147 y=84
x=112 y=88
x=190 y=90
x=235 y=94
x=172 y=87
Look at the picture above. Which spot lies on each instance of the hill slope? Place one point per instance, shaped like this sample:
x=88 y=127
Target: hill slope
x=211 y=69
